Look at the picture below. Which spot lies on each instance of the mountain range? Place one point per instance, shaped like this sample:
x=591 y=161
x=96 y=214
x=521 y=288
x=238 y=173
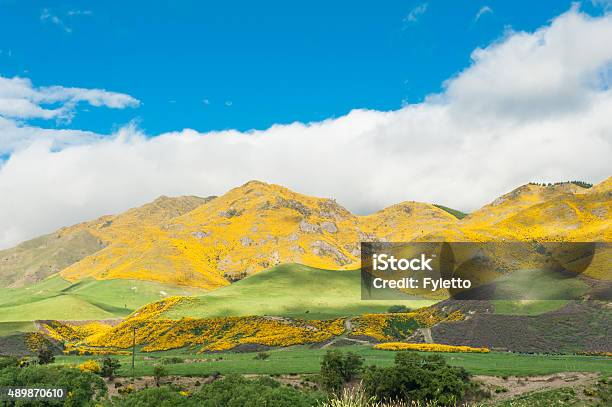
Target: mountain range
x=209 y=243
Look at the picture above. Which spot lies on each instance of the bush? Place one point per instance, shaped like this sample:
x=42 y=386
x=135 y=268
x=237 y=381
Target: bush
x=110 y=366
x=158 y=373
x=416 y=378
x=156 y=396
x=394 y=309
x=173 y=360
x=45 y=356
x=83 y=388
x=262 y=356
x=239 y=391
x=90 y=366
x=338 y=368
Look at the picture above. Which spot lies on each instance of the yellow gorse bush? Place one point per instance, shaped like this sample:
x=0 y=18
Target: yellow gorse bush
x=377 y=326
x=210 y=334
x=428 y=347
x=90 y=366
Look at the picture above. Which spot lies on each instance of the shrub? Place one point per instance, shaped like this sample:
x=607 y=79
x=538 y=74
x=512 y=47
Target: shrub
x=338 y=368
x=83 y=388
x=163 y=396
x=45 y=356
x=172 y=360
x=158 y=373
x=239 y=391
x=262 y=356
x=394 y=309
x=428 y=347
x=90 y=366
x=417 y=378
x=110 y=366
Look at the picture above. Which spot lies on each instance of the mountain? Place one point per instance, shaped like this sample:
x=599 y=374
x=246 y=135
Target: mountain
x=210 y=242
x=46 y=255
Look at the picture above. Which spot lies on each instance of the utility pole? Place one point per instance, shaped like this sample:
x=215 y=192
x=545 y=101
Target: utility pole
x=133 y=350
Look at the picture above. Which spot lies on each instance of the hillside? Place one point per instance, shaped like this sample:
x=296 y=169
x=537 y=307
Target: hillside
x=34 y=260
x=249 y=229
x=209 y=243
x=291 y=290
x=56 y=298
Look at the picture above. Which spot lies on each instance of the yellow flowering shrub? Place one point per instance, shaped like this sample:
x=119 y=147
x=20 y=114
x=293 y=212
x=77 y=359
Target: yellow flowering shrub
x=35 y=340
x=90 y=366
x=209 y=334
x=428 y=347
x=387 y=327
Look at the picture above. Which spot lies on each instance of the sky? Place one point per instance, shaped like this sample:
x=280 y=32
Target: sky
x=104 y=106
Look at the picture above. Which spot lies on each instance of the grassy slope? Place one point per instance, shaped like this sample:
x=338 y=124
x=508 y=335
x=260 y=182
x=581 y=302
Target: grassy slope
x=56 y=298
x=289 y=290
x=542 y=291
x=302 y=359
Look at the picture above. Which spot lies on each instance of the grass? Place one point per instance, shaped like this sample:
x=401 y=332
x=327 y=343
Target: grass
x=303 y=360
x=456 y=213
x=8 y=328
x=290 y=290
x=565 y=396
x=56 y=298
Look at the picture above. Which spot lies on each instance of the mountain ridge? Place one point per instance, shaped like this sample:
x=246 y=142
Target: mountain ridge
x=209 y=242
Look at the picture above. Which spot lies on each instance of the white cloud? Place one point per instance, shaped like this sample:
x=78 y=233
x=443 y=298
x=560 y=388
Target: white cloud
x=531 y=107
x=19 y=99
x=415 y=13
x=483 y=10
x=45 y=15
x=79 y=12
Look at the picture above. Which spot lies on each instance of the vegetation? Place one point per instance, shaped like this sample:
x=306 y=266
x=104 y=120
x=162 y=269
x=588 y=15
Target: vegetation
x=159 y=372
x=56 y=298
x=304 y=359
x=45 y=356
x=110 y=366
x=456 y=213
x=428 y=347
x=417 y=378
x=338 y=368
x=323 y=294
x=83 y=388
x=550 y=184
x=394 y=309
x=598 y=395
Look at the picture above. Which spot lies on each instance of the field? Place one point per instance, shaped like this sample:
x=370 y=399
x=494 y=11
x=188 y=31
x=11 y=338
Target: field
x=56 y=298
x=289 y=290
x=303 y=359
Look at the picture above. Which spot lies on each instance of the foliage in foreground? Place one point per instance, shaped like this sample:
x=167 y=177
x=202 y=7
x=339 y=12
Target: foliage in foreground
x=417 y=378
x=83 y=388
x=338 y=368
x=232 y=391
x=355 y=397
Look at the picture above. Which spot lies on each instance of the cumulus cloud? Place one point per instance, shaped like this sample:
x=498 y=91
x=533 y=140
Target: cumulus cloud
x=531 y=107
x=21 y=101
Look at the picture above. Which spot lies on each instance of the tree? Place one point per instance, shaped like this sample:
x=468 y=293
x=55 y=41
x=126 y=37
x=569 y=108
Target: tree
x=158 y=373
x=110 y=366
x=417 y=378
x=398 y=308
x=337 y=369
x=45 y=356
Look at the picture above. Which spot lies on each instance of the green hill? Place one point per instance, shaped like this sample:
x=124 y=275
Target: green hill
x=289 y=290
x=56 y=298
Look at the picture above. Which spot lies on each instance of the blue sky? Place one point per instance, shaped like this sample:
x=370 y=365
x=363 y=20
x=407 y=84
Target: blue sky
x=245 y=64
x=107 y=105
